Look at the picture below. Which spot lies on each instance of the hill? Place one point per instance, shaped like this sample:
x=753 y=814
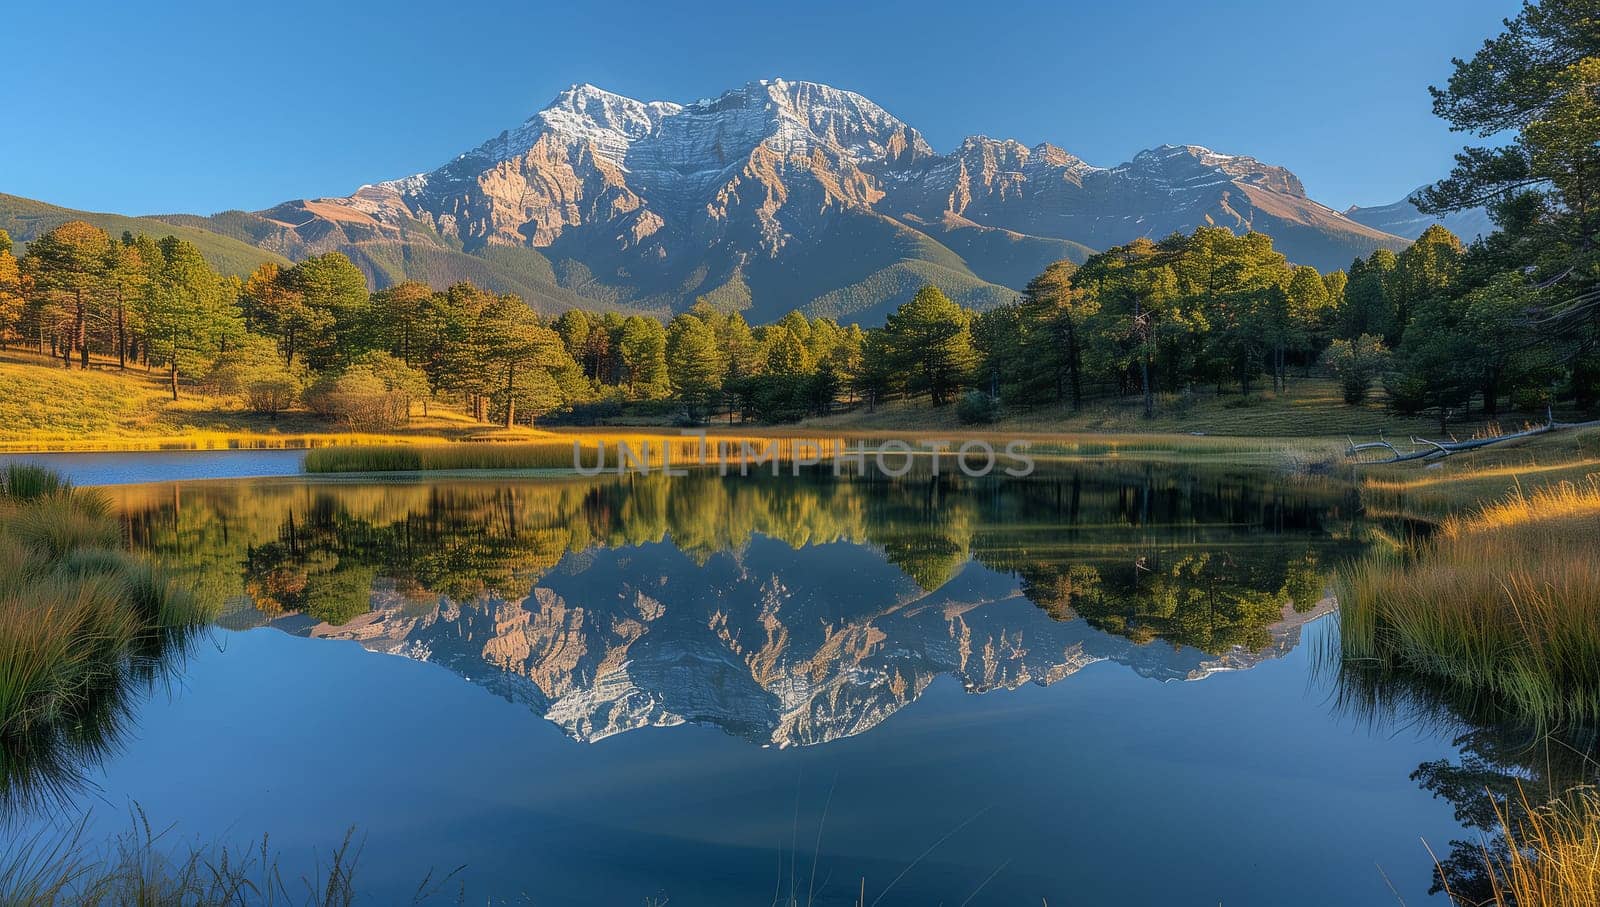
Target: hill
x=25 y=219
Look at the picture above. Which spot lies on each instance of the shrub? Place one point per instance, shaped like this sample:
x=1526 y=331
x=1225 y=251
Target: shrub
x=977 y=408
x=1357 y=365
x=255 y=374
x=375 y=392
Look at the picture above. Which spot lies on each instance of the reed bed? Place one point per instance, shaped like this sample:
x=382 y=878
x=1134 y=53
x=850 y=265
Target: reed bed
x=1503 y=602
x=607 y=452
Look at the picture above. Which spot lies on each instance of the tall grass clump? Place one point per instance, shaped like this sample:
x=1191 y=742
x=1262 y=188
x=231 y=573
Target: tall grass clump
x=81 y=620
x=1502 y=603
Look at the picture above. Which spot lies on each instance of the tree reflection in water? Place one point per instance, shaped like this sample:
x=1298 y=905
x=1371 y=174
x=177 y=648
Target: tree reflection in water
x=1504 y=764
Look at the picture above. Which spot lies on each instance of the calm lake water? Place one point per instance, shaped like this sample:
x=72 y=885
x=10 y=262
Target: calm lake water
x=1100 y=685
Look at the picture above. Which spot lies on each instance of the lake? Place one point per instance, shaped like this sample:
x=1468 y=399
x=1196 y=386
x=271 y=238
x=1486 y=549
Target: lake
x=1105 y=683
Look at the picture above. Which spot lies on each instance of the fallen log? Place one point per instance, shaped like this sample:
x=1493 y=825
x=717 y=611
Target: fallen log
x=1429 y=449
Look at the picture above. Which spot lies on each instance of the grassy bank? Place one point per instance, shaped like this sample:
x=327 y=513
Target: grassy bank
x=555 y=450
x=80 y=620
x=1503 y=602
x=1460 y=483
x=1309 y=407
x=1499 y=613
x=44 y=407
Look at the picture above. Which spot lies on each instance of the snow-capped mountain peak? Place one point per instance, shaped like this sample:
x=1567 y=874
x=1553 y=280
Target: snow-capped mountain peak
x=635 y=201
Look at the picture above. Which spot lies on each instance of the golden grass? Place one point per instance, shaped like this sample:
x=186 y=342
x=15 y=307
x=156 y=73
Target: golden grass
x=1519 y=510
x=1552 y=857
x=1433 y=492
x=1503 y=601
x=44 y=407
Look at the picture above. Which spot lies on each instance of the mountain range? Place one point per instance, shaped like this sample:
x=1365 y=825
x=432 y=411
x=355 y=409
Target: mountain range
x=1402 y=218
x=775 y=196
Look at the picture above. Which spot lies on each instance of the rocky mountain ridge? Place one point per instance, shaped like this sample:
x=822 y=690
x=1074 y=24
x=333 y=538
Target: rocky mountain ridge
x=780 y=195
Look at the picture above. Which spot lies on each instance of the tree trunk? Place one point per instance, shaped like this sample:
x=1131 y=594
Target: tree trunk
x=511 y=394
x=122 y=337
x=80 y=332
x=1074 y=369
x=1149 y=394
x=174 y=367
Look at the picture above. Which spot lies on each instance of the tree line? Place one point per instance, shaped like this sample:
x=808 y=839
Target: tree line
x=1440 y=325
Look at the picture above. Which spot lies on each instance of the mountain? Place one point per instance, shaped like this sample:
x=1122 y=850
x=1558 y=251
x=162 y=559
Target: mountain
x=774 y=196
x=24 y=219
x=1402 y=218
x=1046 y=191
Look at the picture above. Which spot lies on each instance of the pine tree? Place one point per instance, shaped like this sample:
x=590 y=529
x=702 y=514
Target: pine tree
x=696 y=365
x=401 y=317
x=336 y=309
x=67 y=269
x=11 y=297
x=1427 y=269
x=1053 y=313
x=516 y=346
x=642 y=353
x=185 y=310
x=930 y=337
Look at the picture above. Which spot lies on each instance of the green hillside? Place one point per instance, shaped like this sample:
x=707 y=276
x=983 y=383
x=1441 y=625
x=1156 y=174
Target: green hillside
x=869 y=301
x=25 y=218
x=859 y=270
x=1001 y=256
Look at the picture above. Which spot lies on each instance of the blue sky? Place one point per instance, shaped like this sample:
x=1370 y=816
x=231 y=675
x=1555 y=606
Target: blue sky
x=145 y=108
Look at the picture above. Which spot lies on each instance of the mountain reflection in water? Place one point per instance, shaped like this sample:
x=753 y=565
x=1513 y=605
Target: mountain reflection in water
x=787 y=611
